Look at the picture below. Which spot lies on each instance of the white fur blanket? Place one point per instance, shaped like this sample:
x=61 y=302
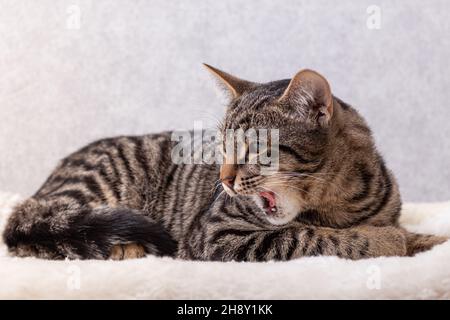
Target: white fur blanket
x=426 y=276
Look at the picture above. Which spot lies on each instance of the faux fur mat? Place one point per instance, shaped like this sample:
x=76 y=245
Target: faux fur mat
x=426 y=276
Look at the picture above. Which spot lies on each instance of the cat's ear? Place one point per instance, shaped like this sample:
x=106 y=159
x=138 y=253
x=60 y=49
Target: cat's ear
x=232 y=84
x=310 y=89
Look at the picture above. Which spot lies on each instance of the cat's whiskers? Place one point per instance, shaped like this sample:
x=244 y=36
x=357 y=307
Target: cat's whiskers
x=286 y=175
x=207 y=116
x=289 y=186
x=217 y=184
x=221 y=194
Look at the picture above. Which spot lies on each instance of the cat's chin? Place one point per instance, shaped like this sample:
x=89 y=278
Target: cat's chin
x=285 y=211
x=280 y=219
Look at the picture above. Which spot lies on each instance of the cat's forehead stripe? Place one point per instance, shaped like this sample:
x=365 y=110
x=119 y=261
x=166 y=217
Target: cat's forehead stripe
x=244 y=109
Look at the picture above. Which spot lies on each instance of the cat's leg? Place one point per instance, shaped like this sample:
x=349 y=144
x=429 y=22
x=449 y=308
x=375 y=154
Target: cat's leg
x=240 y=244
x=417 y=243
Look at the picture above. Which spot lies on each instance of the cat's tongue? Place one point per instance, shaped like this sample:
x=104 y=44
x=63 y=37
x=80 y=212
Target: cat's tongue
x=270 y=201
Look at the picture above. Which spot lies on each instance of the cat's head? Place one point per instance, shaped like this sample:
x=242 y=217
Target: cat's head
x=302 y=109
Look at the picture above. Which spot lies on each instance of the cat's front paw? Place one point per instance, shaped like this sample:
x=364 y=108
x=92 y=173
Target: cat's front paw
x=386 y=241
x=127 y=251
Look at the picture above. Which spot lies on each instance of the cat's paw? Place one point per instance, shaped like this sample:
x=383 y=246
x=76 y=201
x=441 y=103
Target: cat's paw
x=392 y=241
x=127 y=251
x=385 y=241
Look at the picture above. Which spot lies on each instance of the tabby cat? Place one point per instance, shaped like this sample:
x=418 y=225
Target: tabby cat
x=124 y=198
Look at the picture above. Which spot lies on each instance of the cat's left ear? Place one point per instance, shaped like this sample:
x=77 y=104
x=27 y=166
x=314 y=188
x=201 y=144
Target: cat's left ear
x=232 y=84
x=310 y=89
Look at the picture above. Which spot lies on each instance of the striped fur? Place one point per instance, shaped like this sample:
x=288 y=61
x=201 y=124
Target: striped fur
x=125 y=192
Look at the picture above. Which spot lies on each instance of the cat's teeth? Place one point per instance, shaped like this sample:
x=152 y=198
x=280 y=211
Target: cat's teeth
x=273 y=209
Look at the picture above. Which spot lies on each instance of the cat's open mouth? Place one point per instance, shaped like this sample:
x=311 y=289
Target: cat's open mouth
x=269 y=202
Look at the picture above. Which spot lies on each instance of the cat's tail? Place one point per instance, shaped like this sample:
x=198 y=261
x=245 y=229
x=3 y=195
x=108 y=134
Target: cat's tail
x=417 y=242
x=37 y=228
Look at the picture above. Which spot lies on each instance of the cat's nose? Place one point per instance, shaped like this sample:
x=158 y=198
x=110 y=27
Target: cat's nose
x=228 y=175
x=228 y=181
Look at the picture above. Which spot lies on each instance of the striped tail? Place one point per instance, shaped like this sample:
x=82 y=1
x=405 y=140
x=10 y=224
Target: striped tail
x=417 y=243
x=82 y=233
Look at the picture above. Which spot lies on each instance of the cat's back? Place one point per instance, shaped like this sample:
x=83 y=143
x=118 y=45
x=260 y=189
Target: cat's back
x=132 y=171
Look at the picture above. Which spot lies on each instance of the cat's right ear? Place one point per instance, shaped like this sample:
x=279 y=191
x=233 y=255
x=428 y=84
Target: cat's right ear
x=310 y=90
x=235 y=86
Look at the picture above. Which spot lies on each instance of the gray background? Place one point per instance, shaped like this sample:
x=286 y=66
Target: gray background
x=134 y=67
